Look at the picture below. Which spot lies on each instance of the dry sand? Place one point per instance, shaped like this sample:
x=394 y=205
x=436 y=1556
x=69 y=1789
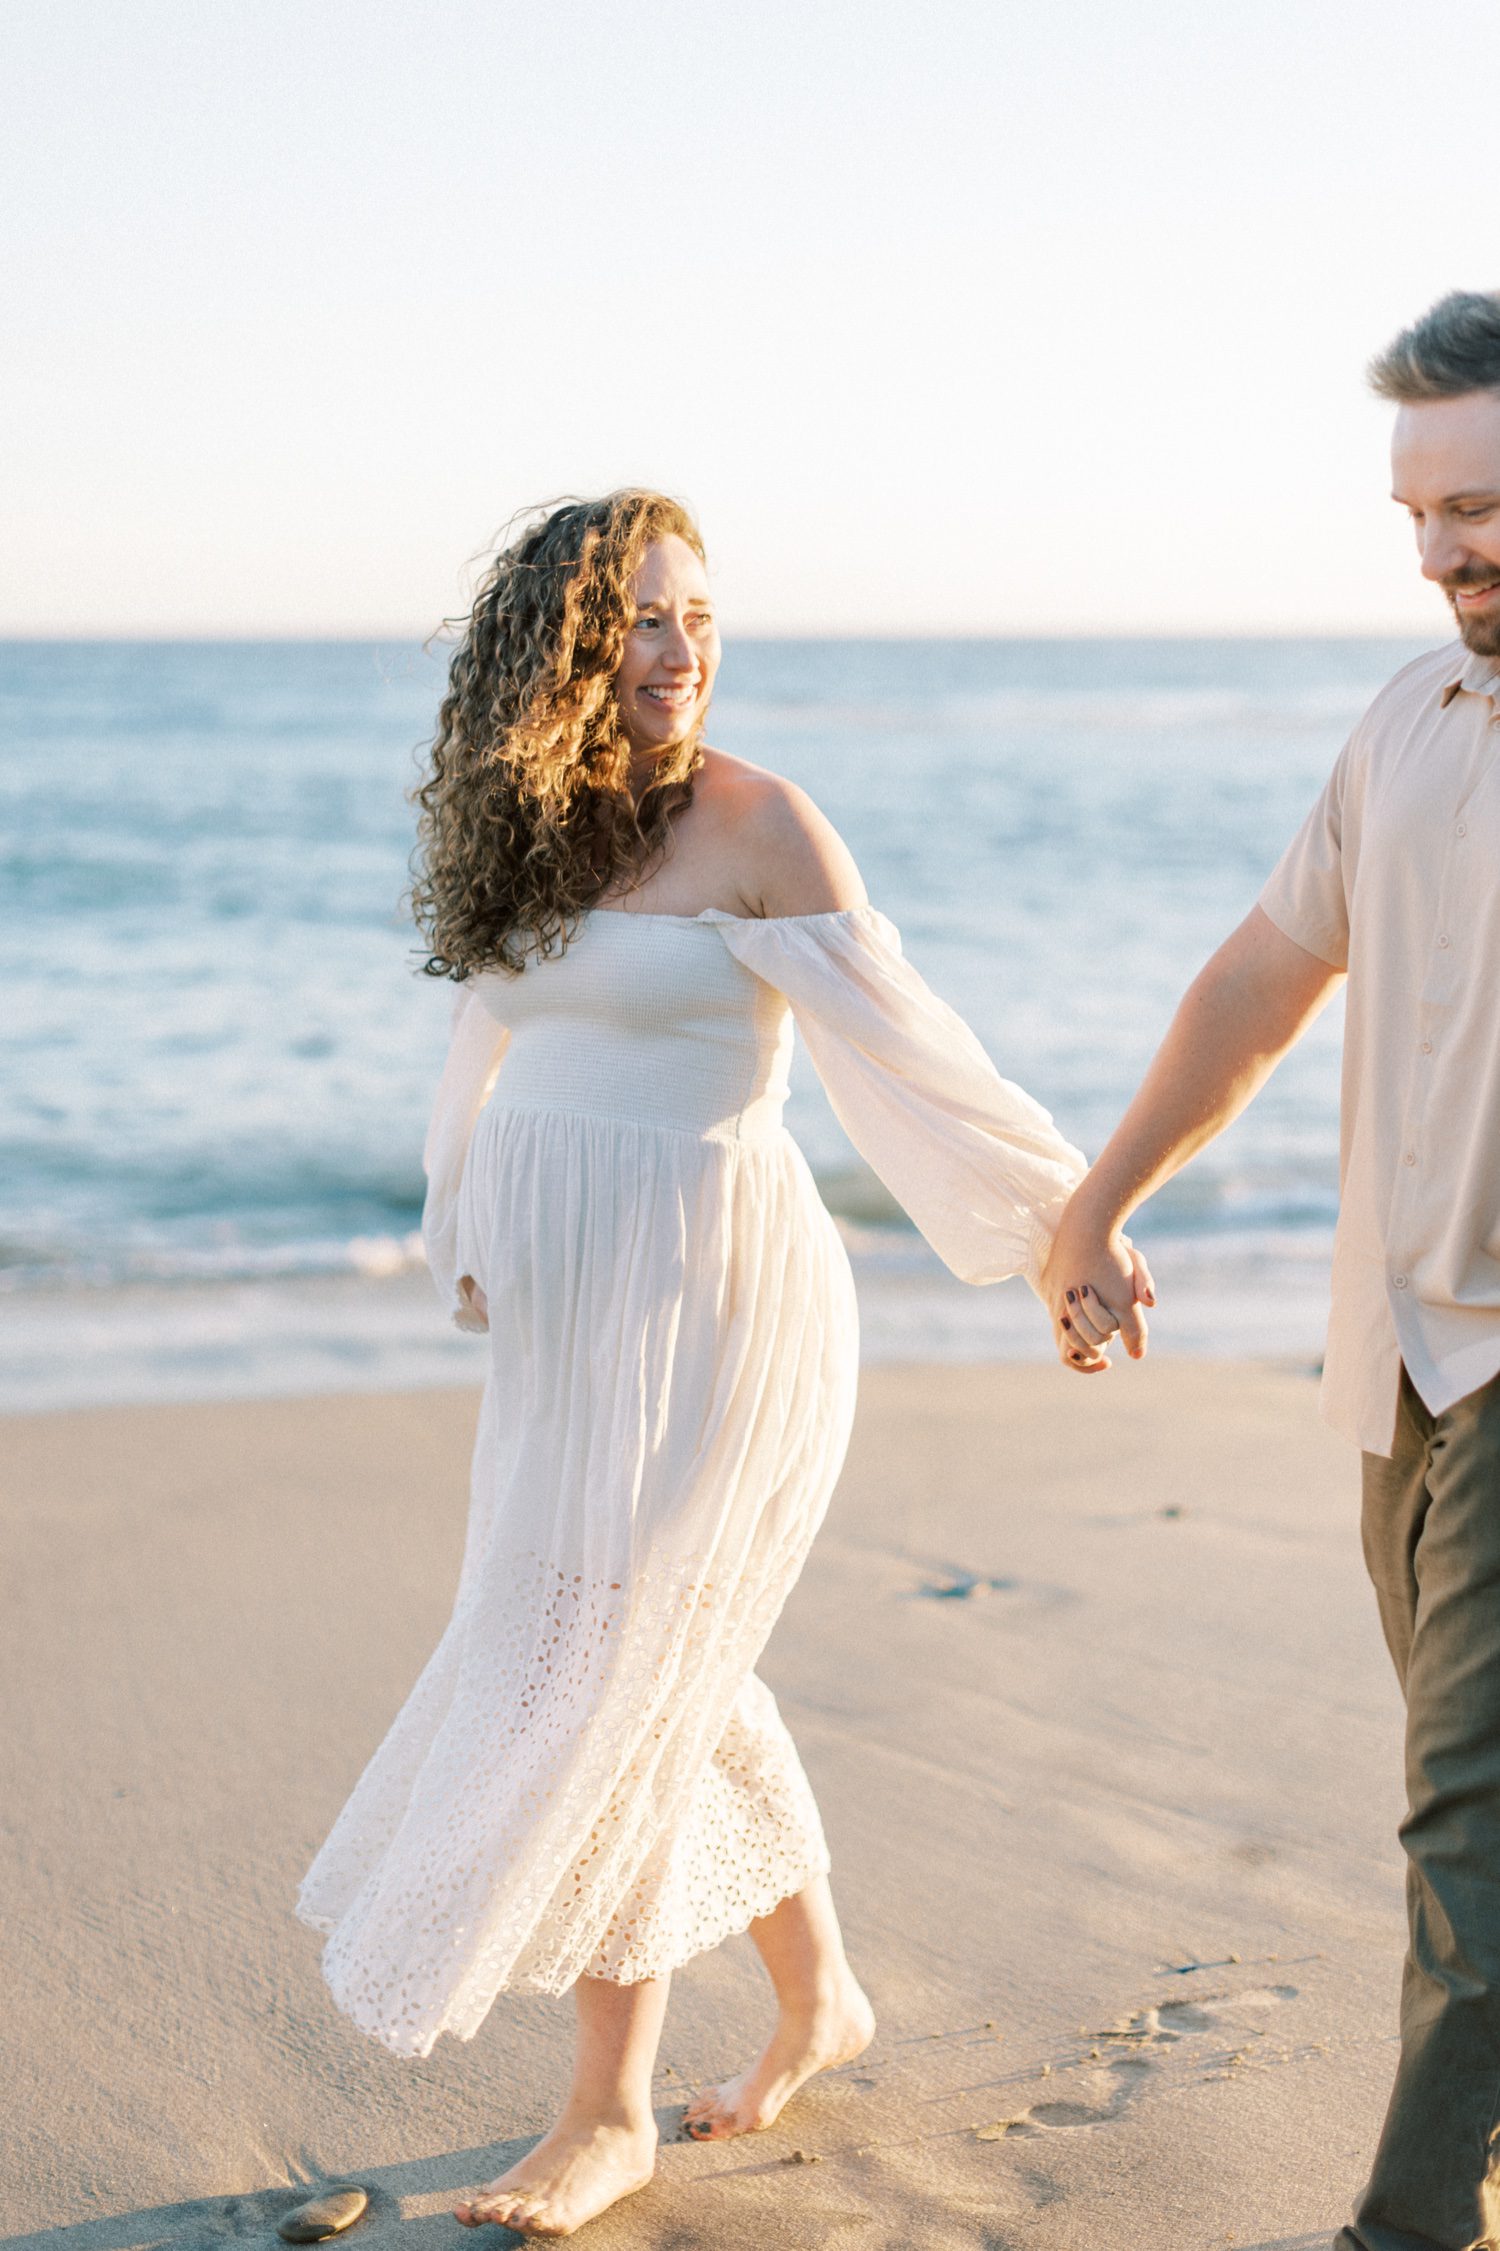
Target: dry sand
x=1090 y=1686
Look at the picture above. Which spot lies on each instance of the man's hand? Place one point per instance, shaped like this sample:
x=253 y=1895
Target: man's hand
x=1094 y=1286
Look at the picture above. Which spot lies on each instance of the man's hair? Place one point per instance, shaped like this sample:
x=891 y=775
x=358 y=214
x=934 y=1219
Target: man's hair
x=1453 y=349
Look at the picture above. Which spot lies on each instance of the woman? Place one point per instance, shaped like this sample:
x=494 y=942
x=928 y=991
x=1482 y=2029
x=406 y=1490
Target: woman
x=589 y=1784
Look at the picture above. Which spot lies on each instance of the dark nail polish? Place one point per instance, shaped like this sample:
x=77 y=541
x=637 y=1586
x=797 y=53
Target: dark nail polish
x=1084 y=1291
x=1072 y=1297
x=1067 y=1324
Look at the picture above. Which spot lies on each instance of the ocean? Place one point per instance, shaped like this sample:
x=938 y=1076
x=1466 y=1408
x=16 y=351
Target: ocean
x=218 y=1052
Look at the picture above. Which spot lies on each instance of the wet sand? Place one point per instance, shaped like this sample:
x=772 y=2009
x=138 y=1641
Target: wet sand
x=1089 y=1683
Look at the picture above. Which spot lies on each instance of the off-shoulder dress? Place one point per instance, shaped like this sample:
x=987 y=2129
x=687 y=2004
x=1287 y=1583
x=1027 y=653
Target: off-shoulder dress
x=588 y=1777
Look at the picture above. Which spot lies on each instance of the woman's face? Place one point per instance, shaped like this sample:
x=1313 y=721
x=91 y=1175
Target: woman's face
x=671 y=654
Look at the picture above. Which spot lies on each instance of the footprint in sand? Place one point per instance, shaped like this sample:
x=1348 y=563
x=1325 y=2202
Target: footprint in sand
x=1067 y=2114
x=1208 y=2014
x=1100 y=2096
x=1172 y=2020
x=1107 y=2094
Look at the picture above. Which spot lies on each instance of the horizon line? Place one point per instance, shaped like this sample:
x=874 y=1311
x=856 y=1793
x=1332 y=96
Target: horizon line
x=410 y=637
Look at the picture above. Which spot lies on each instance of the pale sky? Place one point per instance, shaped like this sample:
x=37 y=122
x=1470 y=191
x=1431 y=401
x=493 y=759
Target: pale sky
x=961 y=316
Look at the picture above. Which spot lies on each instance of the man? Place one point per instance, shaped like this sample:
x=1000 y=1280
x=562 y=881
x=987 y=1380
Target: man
x=1393 y=881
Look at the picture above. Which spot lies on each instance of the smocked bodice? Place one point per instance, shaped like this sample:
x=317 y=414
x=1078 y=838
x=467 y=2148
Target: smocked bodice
x=645 y=1017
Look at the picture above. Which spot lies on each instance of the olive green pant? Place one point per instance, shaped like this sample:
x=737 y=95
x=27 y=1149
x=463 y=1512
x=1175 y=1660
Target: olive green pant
x=1432 y=1543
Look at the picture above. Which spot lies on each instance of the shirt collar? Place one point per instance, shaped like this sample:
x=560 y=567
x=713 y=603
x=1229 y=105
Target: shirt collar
x=1480 y=676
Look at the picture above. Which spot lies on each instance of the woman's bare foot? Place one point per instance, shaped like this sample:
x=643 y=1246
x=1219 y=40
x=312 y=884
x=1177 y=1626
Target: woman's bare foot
x=830 y=2035
x=582 y=2167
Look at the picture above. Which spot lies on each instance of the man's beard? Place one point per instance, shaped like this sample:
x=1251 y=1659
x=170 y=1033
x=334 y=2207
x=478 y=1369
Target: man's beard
x=1480 y=633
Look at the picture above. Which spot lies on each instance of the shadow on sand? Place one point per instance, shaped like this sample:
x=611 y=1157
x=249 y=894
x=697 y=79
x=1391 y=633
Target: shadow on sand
x=216 y=2223
x=429 y=2187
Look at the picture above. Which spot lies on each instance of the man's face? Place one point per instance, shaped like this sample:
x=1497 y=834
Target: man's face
x=1445 y=472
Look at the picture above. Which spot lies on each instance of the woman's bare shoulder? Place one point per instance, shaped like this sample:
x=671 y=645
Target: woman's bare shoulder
x=789 y=859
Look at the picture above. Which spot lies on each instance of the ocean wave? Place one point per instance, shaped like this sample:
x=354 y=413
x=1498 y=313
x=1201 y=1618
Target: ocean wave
x=371 y=1257
x=221 y=1061
x=875 y=1231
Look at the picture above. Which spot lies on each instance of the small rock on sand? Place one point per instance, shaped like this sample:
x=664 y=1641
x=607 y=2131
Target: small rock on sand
x=328 y=2213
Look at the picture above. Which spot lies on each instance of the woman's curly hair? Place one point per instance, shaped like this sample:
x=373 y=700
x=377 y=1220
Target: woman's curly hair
x=527 y=811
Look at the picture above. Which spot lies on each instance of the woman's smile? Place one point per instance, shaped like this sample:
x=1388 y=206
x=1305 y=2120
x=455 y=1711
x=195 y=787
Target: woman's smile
x=673 y=698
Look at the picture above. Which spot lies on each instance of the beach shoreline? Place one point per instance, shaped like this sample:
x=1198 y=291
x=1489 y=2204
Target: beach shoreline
x=303 y=1335
x=1089 y=1684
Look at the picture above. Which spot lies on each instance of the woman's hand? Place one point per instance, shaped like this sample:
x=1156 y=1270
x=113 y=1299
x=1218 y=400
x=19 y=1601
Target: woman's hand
x=1094 y=1285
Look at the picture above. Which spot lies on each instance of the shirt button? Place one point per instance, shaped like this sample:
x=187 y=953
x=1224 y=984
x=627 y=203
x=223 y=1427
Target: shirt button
x=1444 y=944
x=1410 y=1158
x=1462 y=829
x=1426 y=1047
x=1399 y=1280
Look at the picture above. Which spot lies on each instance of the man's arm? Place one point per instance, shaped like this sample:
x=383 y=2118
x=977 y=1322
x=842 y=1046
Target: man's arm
x=1246 y=1007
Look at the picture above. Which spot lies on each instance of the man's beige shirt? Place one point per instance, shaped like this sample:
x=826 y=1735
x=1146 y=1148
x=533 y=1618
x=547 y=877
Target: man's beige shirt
x=1395 y=876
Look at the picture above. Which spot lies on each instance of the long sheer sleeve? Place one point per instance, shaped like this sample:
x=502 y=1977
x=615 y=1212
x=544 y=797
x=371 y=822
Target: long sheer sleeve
x=475 y=1050
x=978 y=1164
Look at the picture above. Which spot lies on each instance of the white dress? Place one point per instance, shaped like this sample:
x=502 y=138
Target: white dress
x=588 y=1777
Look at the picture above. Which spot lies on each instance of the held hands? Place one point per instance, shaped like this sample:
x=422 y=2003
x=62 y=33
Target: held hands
x=1094 y=1286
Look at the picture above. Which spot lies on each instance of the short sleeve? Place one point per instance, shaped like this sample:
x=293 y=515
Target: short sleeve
x=979 y=1165
x=1307 y=896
